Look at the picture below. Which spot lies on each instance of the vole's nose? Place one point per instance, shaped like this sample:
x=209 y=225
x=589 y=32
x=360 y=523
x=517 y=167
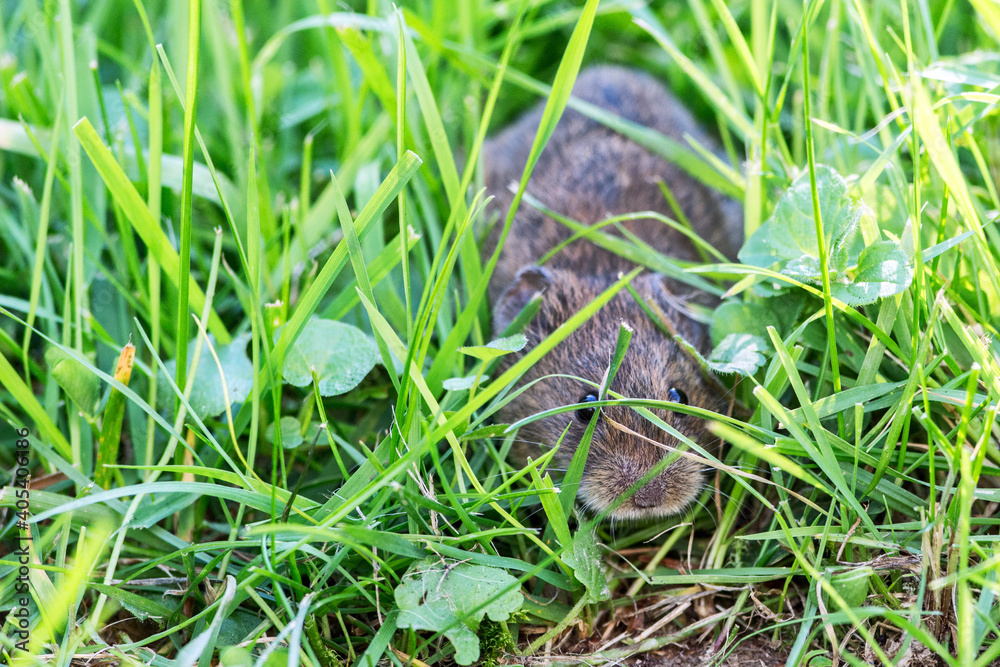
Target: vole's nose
x=650 y=495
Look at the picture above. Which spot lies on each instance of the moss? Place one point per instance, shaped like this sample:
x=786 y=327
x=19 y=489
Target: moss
x=494 y=637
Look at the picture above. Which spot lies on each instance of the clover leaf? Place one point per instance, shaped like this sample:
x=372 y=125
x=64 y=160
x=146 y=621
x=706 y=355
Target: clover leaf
x=788 y=238
x=453 y=597
x=883 y=270
x=496 y=348
x=588 y=566
x=80 y=384
x=741 y=353
x=787 y=242
x=463 y=383
x=207 y=396
x=341 y=354
x=291 y=432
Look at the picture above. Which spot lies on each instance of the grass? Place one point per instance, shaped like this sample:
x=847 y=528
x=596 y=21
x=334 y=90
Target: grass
x=205 y=181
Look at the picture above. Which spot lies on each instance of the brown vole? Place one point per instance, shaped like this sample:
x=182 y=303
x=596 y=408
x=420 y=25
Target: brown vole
x=589 y=173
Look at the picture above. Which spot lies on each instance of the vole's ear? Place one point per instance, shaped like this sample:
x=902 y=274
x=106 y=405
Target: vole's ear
x=529 y=281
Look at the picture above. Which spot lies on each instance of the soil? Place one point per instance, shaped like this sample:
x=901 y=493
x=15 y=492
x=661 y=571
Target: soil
x=754 y=651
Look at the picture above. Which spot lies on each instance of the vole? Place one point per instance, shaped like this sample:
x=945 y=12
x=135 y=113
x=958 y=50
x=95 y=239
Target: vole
x=589 y=173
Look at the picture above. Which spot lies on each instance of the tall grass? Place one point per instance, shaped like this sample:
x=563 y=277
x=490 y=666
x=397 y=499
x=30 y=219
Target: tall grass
x=229 y=177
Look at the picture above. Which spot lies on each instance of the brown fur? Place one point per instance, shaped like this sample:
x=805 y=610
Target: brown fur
x=589 y=173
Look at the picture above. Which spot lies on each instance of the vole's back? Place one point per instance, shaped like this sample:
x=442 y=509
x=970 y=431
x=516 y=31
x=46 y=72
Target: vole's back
x=589 y=173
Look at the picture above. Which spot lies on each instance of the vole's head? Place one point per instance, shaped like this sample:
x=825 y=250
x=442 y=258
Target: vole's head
x=625 y=445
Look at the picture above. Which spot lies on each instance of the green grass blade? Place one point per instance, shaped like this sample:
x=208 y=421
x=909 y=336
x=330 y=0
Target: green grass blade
x=149 y=231
x=13 y=383
x=360 y=270
x=184 y=268
x=77 y=283
x=821 y=451
x=562 y=86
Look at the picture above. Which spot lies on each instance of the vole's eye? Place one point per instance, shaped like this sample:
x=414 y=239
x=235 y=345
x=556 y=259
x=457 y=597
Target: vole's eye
x=584 y=414
x=676 y=395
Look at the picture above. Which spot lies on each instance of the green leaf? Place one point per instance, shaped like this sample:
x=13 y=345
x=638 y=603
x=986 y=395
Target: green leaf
x=463 y=383
x=80 y=385
x=207 y=397
x=851 y=585
x=234 y=629
x=291 y=432
x=788 y=238
x=496 y=348
x=736 y=317
x=452 y=597
x=787 y=241
x=260 y=499
x=44 y=501
x=490 y=431
x=883 y=270
x=237 y=656
x=143 y=606
x=341 y=354
x=730 y=576
x=361 y=274
x=432 y=118
x=739 y=353
x=585 y=559
x=930 y=253
x=754 y=317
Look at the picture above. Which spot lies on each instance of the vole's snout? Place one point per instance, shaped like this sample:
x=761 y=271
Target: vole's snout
x=615 y=465
x=651 y=495
x=668 y=493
